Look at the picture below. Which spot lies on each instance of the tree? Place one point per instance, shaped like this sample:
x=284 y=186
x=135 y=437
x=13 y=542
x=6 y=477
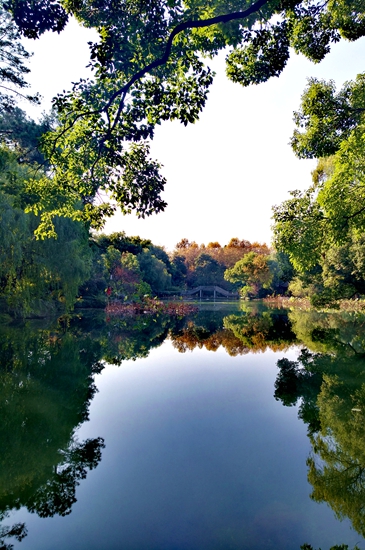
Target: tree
x=154 y=271
x=34 y=18
x=36 y=276
x=120 y=241
x=252 y=272
x=23 y=134
x=150 y=66
x=13 y=64
x=282 y=272
x=326 y=117
x=321 y=228
x=207 y=271
x=123 y=275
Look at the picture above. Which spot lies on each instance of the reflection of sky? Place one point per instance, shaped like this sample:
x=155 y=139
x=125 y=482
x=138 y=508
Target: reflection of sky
x=198 y=455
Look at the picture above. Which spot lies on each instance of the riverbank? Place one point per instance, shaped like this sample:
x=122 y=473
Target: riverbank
x=304 y=303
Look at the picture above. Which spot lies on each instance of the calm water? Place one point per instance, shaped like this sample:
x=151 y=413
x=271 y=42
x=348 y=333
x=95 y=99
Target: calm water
x=239 y=428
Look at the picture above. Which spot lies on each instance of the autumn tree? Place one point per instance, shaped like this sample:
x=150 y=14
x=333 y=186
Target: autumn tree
x=204 y=265
x=123 y=275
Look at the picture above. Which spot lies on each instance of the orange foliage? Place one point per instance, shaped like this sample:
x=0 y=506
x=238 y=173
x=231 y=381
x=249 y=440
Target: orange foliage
x=227 y=255
x=253 y=340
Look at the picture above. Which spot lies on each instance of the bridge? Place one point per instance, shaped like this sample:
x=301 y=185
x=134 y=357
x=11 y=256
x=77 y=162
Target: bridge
x=210 y=288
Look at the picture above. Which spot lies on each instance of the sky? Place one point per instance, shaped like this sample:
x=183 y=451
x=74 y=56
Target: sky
x=225 y=172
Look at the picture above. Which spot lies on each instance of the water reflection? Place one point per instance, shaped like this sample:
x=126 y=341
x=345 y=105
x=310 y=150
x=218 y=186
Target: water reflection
x=330 y=383
x=252 y=330
x=47 y=385
x=46 y=381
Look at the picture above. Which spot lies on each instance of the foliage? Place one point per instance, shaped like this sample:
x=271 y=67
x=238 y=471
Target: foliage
x=126 y=268
x=196 y=265
x=322 y=229
x=327 y=255
x=330 y=383
x=120 y=241
x=154 y=271
x=207 y=271
x=326 y=117
x=23 y=134
x=124 y=276
x=252 y=272
x=34 y=18
x=178 y=271
x=151 y=306
x=13 y=64
x=282 y=273
x=36 y=275
x=150 y=65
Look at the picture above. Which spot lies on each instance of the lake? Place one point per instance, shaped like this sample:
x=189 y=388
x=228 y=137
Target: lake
x=238 y=427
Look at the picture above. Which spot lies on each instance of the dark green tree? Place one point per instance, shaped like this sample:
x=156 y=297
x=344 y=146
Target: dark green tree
x=13 y=64
x=207 y=271
x=23 y=134
x=154 y=271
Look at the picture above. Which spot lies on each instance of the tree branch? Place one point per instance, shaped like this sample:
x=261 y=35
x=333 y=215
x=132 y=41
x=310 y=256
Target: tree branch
x=201 y=23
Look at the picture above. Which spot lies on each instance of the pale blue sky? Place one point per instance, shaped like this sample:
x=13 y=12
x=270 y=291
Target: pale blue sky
x=226 y=171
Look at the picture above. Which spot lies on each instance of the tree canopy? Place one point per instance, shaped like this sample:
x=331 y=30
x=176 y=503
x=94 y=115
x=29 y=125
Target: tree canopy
x=150 y=64
x=321 y=229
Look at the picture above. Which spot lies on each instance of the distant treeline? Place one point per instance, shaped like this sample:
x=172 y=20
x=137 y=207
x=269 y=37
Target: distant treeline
x=129 y=268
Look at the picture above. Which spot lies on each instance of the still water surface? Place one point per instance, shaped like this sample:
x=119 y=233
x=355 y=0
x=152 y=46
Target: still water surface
x=183 y=445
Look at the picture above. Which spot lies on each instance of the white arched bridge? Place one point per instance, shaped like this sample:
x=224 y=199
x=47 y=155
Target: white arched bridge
x=216 y=290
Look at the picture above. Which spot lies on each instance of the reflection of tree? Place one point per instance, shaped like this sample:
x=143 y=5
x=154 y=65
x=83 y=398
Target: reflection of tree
x=335 y=547
x=58 y=494
x=299 y=380
x=331 y=387
x=46 y=381
x=337 y=467
x=17 y=531
x=238 y=334
x=46 y=386
x=194 y=336
x=133 y=337
x=328 y=332
x=259 y=331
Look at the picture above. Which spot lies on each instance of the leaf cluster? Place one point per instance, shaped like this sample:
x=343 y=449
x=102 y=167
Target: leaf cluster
x=150 y=65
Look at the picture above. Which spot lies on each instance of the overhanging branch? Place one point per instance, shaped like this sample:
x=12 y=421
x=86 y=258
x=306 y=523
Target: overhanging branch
x=198 y=24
